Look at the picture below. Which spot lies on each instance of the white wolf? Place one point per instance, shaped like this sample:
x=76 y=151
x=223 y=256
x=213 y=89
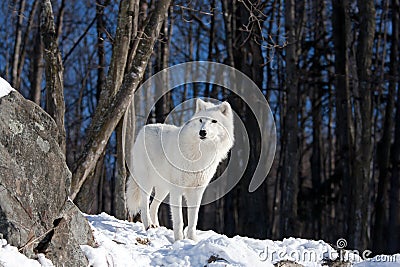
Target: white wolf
x=180 y=161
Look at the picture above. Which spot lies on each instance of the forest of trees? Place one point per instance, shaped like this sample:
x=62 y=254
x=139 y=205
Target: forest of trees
x=329 y=70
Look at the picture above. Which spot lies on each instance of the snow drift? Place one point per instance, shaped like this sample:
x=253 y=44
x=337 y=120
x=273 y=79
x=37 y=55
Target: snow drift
x=121 y=243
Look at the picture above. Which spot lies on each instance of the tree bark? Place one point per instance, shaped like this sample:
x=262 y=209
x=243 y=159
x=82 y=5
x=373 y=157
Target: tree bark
x=118 y=60
x=162 y=51
x=358 y=220
x=344 y=147
x=230 y=25
x=15 y=78
x=60 y=18
x=318 y=151
x=122 y=40
x=230 y=211
x=394 y=194
x=103 y=127
x=55 y=105
x=289 y=183
x=88 y=199
x=36 y=69
x=124 y=152
x=25 y=42
x=316 y=160
x=380 y=235
x=101 y=53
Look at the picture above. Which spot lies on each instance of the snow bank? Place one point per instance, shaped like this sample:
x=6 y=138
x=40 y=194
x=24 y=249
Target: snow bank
x=121 y=243
x=5 y=87
x=11 y=257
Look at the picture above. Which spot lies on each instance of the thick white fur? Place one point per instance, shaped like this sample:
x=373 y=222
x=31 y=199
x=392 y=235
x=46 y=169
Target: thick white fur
x=175 y=160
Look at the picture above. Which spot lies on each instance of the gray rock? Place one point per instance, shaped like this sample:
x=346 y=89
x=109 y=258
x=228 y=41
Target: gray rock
x=71 y=226
x=35 y=214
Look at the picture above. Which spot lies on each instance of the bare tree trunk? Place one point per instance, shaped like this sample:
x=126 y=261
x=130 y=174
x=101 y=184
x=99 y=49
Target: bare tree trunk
x=380 y=233
x=141 y=16
x=344 y=147
x=358 y=220
x=119 y=58
x=230 y=200
x=317 y=157
x=211 y=41
x=36 y=69
x=89 y=200
x=163 y=105
x=316 y=160
x=101 y=53
x=394 y=195
x=60 y=18
x=108 y=115
x=289 y=184
x=55 y=105
x=125 y=130
x=17 y=45
x=24 y=43
x=125 y=153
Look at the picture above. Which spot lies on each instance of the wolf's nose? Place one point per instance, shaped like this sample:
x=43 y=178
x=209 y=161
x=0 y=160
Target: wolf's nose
x=203 y=133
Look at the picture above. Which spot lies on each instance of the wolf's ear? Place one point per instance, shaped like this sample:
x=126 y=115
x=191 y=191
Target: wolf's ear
x=225 y=108
x=200 y=105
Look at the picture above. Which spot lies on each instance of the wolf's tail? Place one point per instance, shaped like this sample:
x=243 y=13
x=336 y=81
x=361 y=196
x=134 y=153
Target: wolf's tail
x=133 y=198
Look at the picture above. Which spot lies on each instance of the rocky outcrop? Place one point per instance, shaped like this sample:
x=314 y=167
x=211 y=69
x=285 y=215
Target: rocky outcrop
x=35 y=213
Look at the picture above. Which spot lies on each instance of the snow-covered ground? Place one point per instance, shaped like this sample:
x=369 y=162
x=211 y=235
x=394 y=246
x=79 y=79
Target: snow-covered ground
x=10 y=257
x=5 y=87
x=127 y=244
x=120 y=243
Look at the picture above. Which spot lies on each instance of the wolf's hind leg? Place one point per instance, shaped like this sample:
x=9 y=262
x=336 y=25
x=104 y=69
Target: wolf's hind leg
x=145 y=215
x=159 y=196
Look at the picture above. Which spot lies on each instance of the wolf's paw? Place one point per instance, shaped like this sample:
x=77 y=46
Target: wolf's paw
x=194 y=238
x=192 y=235
x=152 y=226
x=178 y=235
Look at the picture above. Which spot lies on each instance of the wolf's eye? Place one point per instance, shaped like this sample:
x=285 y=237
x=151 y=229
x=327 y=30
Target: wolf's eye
x=201 y=120
x=214 y=121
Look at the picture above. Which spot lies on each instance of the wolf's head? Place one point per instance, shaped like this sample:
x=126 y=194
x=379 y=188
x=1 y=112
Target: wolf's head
x=212 y=123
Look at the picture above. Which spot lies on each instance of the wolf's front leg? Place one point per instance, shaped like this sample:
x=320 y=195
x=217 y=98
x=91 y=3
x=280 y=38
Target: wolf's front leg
x=193 y=199
x=177 y=219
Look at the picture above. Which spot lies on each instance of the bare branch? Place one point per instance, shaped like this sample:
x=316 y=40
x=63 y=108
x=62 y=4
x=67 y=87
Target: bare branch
x=55 y=105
